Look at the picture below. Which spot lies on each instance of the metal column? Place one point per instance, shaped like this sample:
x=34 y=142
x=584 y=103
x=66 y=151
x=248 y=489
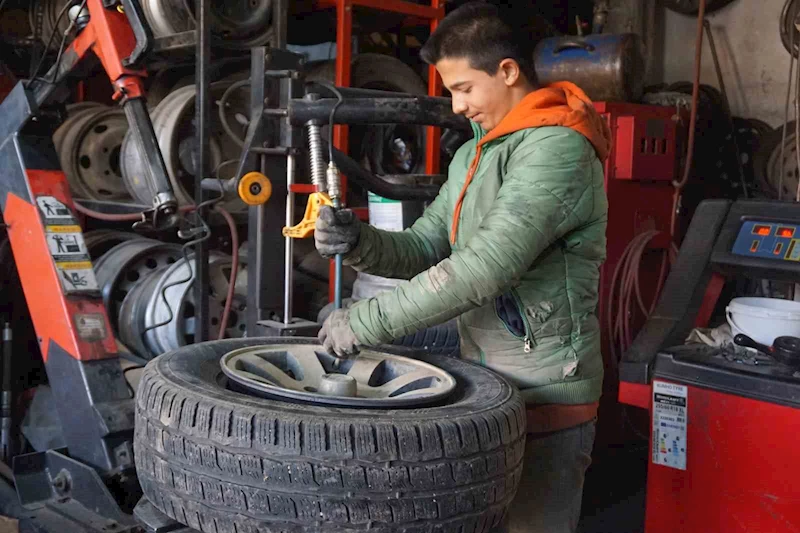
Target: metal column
x=202 y=124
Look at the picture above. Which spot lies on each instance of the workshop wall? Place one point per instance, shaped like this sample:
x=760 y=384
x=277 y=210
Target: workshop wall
x=754 y=62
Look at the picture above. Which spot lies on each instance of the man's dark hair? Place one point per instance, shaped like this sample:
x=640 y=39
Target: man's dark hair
x=482 y=34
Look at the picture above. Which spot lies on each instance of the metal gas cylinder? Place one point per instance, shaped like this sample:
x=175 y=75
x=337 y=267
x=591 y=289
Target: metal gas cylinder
x=608 y=67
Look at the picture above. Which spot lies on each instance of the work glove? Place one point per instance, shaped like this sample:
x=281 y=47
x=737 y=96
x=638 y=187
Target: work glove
x=337 y=336
x=336 y=231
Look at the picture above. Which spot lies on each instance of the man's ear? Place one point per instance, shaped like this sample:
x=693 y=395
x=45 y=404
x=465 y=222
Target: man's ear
x=510 y=71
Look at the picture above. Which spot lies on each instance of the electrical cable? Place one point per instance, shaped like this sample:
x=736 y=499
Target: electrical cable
x=184 y=249
x=339 y=100
x=786 y=118
x=625 y=297
x=698 y=56
x=204 y=230
x=223 y=324
x=797 y=129
x=60 y=16
x=63 y=44
x=625 y=294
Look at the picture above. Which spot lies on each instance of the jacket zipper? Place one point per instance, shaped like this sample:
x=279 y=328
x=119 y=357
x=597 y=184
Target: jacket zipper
x=528 y=337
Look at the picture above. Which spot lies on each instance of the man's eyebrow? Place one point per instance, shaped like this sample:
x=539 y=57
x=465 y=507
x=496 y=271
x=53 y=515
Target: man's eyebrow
x=458 y=85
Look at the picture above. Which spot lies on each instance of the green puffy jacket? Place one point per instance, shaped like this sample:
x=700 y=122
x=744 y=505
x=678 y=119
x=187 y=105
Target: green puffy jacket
x=532 y=232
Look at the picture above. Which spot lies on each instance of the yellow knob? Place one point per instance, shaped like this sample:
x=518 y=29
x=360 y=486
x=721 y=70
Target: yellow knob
x=255 y=188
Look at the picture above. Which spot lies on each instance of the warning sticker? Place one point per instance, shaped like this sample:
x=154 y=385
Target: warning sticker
x=77 y=276
x=91 y=326
x=54 y=212
x=67 y=246
x=670 y=405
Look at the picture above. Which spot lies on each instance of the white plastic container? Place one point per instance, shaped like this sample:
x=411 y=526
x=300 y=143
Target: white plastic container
x=764 y=319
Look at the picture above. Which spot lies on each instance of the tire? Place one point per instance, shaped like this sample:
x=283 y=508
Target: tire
x=766 y=163
x=691 y=7
x=223 y=462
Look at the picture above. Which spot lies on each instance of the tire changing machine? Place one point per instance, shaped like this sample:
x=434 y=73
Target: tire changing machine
x=89 y=485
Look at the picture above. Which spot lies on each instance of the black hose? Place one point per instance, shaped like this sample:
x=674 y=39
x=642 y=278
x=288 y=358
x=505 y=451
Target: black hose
x=356 y=173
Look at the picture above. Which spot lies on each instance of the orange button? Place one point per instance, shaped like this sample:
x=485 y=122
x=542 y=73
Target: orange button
x=754 y=246
x=778 y=248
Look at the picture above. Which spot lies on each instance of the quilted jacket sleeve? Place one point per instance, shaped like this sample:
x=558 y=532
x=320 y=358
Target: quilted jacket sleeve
x=546 y=193
x=404 y=254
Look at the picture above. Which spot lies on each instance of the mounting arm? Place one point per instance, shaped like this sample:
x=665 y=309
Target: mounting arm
x=118 y=36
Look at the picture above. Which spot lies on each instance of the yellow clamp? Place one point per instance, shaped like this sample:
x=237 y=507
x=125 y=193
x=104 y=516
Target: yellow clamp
x=255 y=188
x=306 y=226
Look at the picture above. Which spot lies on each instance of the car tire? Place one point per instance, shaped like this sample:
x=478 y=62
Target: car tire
x=224 y=462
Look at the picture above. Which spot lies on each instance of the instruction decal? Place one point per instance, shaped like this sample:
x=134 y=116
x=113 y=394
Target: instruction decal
x=91 y=326
x=54 y=212
x=670 y=406
x=77 y=276
x=66 y=243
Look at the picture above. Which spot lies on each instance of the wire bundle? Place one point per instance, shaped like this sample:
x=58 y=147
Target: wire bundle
x=625 y=302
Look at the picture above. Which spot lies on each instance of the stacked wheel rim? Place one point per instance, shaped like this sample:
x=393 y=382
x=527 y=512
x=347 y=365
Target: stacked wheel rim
x=89 y=143
x=173 y=124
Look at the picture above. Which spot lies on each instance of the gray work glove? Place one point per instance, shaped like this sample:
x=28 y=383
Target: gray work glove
x=336 y=232
x=337 y=336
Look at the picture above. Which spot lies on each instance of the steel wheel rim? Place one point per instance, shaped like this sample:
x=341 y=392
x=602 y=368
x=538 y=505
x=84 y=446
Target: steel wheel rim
x=787 y=27
x=176 y=285
x=90 y=154
x=305 y=372
x=100 y=241
x=127 y=265
x=791 y=173
x=134 y=306
x=172 y=121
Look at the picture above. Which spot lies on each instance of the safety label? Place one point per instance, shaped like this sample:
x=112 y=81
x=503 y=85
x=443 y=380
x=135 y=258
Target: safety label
x=91 y=326
x=55 y=213
x=66 y=245
x=385 y=214
x=76 y=276
x=670 y=406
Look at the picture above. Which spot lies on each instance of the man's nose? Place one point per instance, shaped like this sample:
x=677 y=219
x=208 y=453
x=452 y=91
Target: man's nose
x=459 y=106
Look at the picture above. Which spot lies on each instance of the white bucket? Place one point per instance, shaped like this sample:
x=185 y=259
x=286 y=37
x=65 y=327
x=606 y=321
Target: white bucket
x=764 y=319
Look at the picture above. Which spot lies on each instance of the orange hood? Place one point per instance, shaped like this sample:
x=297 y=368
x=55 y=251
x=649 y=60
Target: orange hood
x=559 y=104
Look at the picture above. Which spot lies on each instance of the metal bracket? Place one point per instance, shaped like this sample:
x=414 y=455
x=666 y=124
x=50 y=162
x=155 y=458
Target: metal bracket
x=154 y=521
x=58 y=488
x=297 y=327
x=141 y=30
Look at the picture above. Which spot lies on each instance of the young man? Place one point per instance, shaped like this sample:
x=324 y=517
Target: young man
x=512 y=245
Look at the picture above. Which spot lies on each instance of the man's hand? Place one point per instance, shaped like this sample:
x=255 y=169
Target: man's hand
x=336 y=231
x=336 y=335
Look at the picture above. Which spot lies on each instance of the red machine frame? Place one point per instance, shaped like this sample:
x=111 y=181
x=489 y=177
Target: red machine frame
x=417 y=14
x=644 y=160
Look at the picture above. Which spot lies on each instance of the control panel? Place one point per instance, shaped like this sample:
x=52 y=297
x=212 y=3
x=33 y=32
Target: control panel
x=768 y=240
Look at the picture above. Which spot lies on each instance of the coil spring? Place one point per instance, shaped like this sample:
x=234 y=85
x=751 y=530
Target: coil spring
x=316 y=157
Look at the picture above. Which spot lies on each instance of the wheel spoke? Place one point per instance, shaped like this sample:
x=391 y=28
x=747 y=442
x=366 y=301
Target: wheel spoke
x=309 y=362
x=218 y=282
x=254 y=364
x=397 y=383
x=363 y=369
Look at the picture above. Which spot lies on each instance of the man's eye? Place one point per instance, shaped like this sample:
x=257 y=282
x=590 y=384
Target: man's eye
x=467 y=90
